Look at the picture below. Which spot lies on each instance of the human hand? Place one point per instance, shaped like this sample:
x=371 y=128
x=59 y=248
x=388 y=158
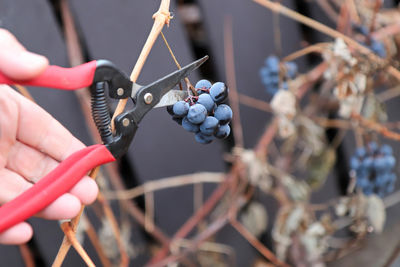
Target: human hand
x=32 y=142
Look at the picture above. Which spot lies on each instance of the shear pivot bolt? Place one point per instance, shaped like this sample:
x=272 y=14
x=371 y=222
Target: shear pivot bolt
x=125 y=122
x=120 y=91
x=148 y=98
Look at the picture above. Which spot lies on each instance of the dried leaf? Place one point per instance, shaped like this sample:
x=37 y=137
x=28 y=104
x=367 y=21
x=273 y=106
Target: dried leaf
x=257 y=170
x=284 y=103
x=320 y=166
x=342 y=207
x=298 y=190
x=350 y=104
x=255 y=218
x=376 y=213
x=286 y=127
x=293 y=220
x=373 y=109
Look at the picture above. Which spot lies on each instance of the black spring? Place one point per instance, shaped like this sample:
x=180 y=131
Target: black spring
x=100 y=112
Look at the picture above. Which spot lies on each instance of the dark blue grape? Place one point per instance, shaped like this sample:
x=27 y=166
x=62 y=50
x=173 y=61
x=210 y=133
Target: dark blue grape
x=386 y=150
x=219 y=92
x=361 y=29
x=390 y=162
x=188 y=126
x=223 y=131
x=202 y=86
x=378 y=48
x=380 y=164
x=361 y=152
x=209 y=125
x=373 y=147
x=197 y=114
x=272 y=62
x=170 y=110
x=269 y=74
x=373 y=166
x=355 y=163
x=203 y=139
x=207 y=101
x=291 y=70
x=180 y=109
x=223 y=113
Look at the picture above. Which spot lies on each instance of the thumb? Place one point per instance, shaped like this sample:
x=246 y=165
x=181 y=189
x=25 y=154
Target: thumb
x=16 y=62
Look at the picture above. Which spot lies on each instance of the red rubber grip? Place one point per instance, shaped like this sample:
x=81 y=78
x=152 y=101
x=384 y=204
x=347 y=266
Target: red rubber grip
x=61 y=78
x=59 y=181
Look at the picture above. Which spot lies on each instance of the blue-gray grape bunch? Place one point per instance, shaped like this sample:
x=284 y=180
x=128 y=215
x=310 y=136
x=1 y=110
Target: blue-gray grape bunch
x=373 y=166
x=204 y=114
x=269 y=74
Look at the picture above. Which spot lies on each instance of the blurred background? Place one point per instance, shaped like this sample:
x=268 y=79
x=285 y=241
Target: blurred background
x=116 y=30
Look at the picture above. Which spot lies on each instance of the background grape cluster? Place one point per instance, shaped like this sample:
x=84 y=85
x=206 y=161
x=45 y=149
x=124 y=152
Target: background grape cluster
x=373 y=166
x=269 y=74
x=205 y=115
x=376 y=46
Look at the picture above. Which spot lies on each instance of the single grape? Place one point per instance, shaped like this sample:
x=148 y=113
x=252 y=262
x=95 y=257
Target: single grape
x=386 y=150
x=202 y=85
x=223 y=131
x=197 y=113
x=378 y=48
x=203 y=139
x=209 y=125
x=272 y=62
x=207 y=102
x=219 y=92
x=390 y=162
x=367 y=163
x=188 y=126
x=180 y=109
x=380 y=164
x=223 y=113
x=361 y=152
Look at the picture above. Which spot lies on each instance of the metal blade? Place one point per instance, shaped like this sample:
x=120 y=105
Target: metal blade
x=171 y=98
x=163 y=85
x=148 y=96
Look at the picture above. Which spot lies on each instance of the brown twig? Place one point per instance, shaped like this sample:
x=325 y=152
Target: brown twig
x=328 y=9
x=70 y=234
x=27 y=255
x=256 y=244
x=254 y=103
x=114 y=227
x=188 y=226
x=161 y=17
x=165 y=183
x=376 y=127
x=231 y=79
x=91 y=232
x=214 y=227
x=188 y=83
x=316 y=48
x=24 y=91
x=378 y=4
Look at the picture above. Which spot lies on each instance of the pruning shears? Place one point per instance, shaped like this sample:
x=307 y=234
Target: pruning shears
x=97 y=75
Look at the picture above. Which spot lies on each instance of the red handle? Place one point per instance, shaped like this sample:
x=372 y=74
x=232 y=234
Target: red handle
x=61 y=78
x=53 y=185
